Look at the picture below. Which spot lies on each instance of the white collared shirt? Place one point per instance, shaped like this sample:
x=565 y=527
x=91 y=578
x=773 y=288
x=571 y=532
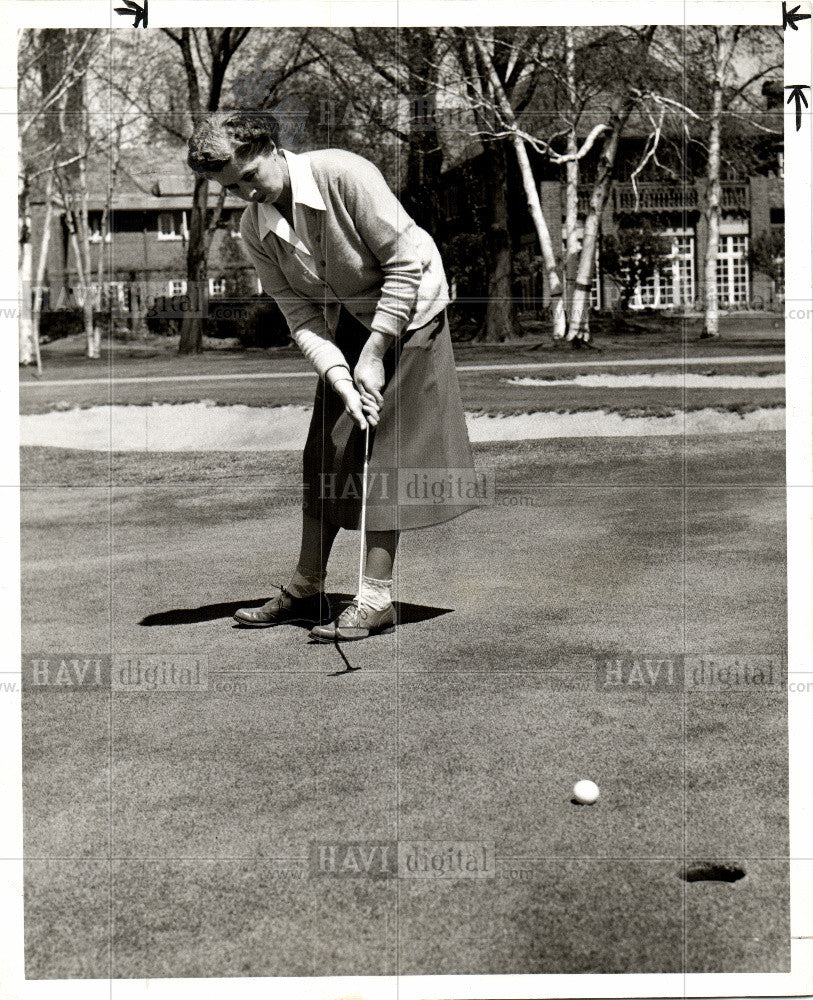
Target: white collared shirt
x=304 y=192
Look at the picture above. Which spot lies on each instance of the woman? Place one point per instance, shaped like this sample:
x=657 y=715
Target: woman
x=364 y=294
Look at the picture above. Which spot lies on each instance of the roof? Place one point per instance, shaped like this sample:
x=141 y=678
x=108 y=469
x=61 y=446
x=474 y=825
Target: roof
x=147 y=179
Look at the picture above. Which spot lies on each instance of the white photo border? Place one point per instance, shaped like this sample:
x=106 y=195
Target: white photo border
x=19 y=14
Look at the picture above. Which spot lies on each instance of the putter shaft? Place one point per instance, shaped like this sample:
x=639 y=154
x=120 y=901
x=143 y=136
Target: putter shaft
x=364 y=505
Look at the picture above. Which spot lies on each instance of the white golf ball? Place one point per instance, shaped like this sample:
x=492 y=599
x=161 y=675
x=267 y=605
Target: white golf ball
x=585 y=792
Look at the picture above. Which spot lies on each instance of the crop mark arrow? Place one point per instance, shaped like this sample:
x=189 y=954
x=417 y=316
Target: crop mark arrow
x=790 y=17
x=797 y=93
x=137 y=11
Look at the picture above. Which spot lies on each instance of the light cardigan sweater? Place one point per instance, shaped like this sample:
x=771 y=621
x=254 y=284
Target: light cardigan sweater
x=362 y=250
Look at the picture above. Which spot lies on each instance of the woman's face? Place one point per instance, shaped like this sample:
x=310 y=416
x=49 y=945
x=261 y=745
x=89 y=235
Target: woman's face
x=262 y=178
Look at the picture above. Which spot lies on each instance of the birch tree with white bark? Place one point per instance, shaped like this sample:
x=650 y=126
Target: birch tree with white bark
x=630 y=68
x=720 y=112
x=53 y=66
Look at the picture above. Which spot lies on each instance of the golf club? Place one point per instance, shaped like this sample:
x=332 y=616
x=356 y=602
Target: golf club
x=363 y=526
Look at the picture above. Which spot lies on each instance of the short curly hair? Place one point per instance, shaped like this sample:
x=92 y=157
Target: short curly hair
x=223 y=136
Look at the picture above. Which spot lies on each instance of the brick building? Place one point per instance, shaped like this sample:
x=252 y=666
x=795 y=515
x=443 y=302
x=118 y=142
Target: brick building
x=144 y=254
x=752 y=207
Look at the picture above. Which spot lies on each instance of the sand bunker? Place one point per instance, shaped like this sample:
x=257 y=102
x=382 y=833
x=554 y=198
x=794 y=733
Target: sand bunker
x=207 y=427
x=661 y=380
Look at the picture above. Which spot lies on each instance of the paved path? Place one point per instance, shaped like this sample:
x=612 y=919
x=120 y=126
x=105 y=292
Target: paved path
x=524 y=366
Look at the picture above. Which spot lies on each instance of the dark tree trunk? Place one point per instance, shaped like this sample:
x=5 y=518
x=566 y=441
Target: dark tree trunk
x=424 y=153
x=222 y=43
x=191 y=341
x=500 y=321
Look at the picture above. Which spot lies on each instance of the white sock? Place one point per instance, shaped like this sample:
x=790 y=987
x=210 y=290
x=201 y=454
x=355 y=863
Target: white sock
x=375 y=594
x=305 y=584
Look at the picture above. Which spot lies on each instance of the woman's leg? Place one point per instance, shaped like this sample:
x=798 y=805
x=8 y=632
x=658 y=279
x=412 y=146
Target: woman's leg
x=381 y=549
x=304 y=595
x=317 y=541
x=376 y=585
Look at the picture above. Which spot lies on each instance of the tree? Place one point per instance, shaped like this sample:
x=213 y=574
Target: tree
x=725 y=42
x=624 y=105
x=55 y=142
x=494 y=72
x=466 y=259
x=631 y=69
x=725 y=38
x=170 y=81
x=767 y=254
x=78 y=143
x=408 y=71
x=571 y=167
x=633 y=257
x=401 y=68
x=500 y=78
x=222 y=43
x=720 y=67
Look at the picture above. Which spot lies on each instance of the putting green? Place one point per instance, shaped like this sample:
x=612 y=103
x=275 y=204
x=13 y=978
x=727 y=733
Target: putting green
x=193 y=812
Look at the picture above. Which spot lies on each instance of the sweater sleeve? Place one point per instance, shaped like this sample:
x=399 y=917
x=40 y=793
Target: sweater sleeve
x=305 y=319
x=388 y=231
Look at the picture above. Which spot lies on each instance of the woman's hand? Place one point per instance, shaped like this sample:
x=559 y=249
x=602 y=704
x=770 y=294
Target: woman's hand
x=362 y=408
x=369 y=378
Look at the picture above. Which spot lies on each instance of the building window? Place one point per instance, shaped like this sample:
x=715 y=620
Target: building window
x=112 y=295
x=119 y=295
x=217 y=286
x=732 y=271
x=683 y=270
x=654 y=293
x=172 y=226
x=177 y=286
x=95 y=227
x=595 y=286
x=673 y=284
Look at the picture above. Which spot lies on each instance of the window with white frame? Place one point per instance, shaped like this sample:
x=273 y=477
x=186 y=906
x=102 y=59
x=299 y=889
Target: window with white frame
x=111 y=295
x=172 y=225
x=217 y=286
x=118 y=294
x=95 y=228
x=177 y=286
x=655 y=292
x=732 y=271
x=683 y=270
x=672 y=284
x=595 y=285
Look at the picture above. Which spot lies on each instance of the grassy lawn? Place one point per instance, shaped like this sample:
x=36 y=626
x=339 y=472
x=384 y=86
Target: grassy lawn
x=488 y=391
x=168 y=834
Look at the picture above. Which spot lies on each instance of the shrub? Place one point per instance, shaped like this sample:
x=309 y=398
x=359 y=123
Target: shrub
x=58 y=323
x=254 y=321
x=632 y=257
x=767 y=254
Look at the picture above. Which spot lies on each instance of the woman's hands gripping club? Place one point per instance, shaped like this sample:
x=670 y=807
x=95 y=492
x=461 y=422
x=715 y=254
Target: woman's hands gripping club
x=362 y=407
x=363 y=397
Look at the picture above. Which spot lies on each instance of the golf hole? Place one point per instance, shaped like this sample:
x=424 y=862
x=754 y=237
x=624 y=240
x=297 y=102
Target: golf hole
x=706 y=871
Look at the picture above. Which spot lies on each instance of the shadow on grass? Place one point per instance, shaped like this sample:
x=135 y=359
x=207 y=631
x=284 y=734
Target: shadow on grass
x=405 y=613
